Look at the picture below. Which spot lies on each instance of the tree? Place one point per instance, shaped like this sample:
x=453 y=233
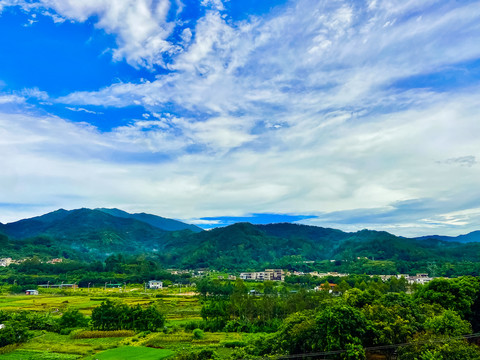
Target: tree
x=14 y=332
x=72 y=318
x=449 y=323
x=339 y=325
x=432 y=347
x=297 y=334
x=454 y=294
x=117 y=316
x=335 y=327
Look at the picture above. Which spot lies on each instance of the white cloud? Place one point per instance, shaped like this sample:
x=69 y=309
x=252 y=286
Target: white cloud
x=83 y=110
x=9 y=99
x=20 y=97
x=302 y=111
x=215 y=4
x=140 y=26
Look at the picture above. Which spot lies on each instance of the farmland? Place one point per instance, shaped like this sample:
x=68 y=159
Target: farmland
x=50 y=345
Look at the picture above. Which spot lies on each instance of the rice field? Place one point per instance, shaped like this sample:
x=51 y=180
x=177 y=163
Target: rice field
x=179 y=309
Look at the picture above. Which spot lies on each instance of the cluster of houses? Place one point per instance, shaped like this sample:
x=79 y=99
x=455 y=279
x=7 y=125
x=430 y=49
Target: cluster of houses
x=5 y=262
x=420 y=278
x=317 y=274
x=9 y=261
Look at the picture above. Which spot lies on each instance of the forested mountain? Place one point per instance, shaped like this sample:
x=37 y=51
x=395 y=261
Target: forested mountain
x=247 y=246
x=89 y=231
x=474 y=236
x=95 y=234
x=154 y=220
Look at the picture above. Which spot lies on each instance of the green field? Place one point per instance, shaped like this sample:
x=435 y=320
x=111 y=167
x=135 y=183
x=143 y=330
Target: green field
x=37 y=355
x=44 y=345
x=177 y=307
x=133 y=352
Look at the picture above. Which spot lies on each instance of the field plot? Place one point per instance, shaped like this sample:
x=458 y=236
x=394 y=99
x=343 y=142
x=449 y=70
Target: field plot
x=38 y=355
x=132 y=352
x=45 y=345
x=54 y=303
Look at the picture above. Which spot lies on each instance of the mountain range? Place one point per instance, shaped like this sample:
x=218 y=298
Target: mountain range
x=97 y=233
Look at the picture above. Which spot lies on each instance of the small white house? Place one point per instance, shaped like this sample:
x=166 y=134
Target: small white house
x=155 y=284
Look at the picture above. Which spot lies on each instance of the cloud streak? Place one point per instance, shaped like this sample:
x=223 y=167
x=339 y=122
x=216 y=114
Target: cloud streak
x=299 y=111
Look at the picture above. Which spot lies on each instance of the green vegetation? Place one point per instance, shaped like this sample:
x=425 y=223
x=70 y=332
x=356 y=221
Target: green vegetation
x=118 y=316
x=227 y=321
x=113 y=315
x=86 y=237
x=133 y=352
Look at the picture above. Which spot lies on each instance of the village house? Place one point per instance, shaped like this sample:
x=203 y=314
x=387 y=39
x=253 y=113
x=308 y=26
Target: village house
x=275 y=274
x=323 y=287
x=31 y=292
x=5 y=262
x=421 y=279
x=268 y=274
x=155 y=284
x=248 y=276
x=55 y=261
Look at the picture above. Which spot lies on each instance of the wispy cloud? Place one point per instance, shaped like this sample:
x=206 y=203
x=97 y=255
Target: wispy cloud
x=9 y=99
x=300 y=111
x=461 y=160
x=83 y=110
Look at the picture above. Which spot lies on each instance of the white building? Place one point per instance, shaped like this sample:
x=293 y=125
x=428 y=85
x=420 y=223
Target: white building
x=155 y=284
x=5 y=262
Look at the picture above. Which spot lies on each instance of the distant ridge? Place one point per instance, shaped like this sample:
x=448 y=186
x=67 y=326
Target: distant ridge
x=96 y=234
x=474 y=236
x=154 y=220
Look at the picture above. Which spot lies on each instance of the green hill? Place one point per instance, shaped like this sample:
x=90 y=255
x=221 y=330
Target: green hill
x=95 y=234
x=474 y=236
x=90 y=231
x=154 y=220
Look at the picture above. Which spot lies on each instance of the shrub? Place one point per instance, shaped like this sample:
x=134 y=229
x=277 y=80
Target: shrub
x=66 y=331
x=234 y=344
x=204 y=354
x=13 y=333
x=73 y=318
x=198 y=334
x=192 y=325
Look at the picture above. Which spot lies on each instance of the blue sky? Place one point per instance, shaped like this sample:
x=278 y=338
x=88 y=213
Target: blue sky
x=346 y=114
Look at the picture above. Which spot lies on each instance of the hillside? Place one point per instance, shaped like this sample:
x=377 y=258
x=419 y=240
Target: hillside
x=474 y=236
x=244 y=246
x=237 y=246
x=90 y=231
x=95 y=234
x=154 y=220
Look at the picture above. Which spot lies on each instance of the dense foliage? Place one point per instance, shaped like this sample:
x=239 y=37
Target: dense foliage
x=118 y=316
x=431 y=321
